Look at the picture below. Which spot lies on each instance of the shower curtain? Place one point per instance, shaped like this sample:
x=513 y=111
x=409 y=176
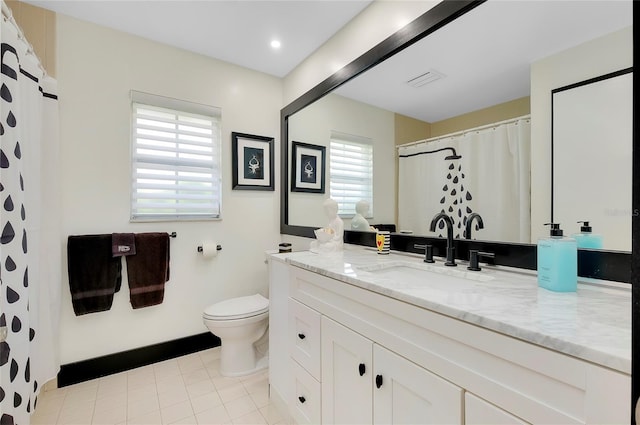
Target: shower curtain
x=492 y=178
x=30 y=248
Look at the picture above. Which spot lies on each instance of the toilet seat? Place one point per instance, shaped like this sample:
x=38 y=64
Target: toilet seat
x=237 y=308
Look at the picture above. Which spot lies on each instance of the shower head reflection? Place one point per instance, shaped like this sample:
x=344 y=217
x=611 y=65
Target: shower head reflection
x=454 y=155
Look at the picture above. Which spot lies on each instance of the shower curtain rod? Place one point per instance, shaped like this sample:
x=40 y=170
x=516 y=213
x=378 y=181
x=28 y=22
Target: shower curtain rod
x=462 y=132
x=7 y=16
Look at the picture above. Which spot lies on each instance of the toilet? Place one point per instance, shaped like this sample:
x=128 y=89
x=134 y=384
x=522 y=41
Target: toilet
x=239 y=323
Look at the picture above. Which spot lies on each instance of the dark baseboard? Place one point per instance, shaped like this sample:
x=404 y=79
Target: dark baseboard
x=119 y=362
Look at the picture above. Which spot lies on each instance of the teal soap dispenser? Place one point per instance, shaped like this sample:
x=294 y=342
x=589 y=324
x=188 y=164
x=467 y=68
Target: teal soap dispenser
x=557 y=261
x=586 y=238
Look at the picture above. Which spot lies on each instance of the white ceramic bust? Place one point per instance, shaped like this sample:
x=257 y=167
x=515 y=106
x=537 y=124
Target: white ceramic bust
x=358 y=222
x=329 y=238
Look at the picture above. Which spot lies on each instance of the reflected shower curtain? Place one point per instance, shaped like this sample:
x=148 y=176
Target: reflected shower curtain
x=30 y=248
x=492 y=178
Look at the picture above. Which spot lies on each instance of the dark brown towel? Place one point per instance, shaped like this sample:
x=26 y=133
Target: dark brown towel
x=123 y=244
x=94 y=275
x=148 y=270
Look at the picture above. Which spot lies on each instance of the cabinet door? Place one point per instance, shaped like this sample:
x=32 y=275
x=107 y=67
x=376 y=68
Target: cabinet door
x=405 y=393
x=346 y=375
x=479 y=412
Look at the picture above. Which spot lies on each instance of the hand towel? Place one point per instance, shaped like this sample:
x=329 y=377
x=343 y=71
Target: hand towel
x=148 y=270
x=94 y=275
x=123 y=244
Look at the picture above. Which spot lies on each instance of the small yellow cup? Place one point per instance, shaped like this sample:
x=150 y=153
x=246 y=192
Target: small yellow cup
x=383 y=241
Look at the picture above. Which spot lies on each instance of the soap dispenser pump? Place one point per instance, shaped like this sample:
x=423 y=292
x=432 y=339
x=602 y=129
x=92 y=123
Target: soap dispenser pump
x=586 y=238
x=557 y=261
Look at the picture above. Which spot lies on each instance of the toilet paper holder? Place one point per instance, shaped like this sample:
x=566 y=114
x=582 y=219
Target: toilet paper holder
x=218 y=248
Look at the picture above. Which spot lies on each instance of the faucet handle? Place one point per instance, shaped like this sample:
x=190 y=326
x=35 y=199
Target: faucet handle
x=486 y=254
x=474 y=259
x=428 y=252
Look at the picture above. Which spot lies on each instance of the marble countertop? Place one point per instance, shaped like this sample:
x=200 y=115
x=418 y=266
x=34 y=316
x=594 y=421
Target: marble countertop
x=593 y=324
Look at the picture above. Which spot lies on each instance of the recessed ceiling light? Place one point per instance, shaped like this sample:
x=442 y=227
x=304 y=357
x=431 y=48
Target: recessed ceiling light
x=275 y=44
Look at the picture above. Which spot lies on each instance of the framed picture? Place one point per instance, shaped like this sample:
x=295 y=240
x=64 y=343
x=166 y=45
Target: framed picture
x=307 y=167
x=252 y=158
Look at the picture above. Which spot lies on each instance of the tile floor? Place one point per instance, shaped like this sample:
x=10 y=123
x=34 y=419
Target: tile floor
x=185 y=390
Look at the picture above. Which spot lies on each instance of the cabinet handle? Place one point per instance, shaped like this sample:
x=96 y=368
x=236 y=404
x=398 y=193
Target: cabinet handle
x=361 y=369
x=378 y=381
x=301 y=336
x=302 y=399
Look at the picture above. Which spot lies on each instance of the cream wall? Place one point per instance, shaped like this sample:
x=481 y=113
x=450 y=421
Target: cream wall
x=591 y=59
x=374 y=24
x=409 y=129
x=492 y=114
x=96 y=69
x=39 y=27
x=314 y=125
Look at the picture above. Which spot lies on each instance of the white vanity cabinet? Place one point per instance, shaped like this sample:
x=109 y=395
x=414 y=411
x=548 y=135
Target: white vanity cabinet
x=304 y=337
x=347 y=375
x=409 y=394
x=280 y=386
x=305 y=400
x=304 y=350
x=364 y=383
x=479 y=412
x=433 y=368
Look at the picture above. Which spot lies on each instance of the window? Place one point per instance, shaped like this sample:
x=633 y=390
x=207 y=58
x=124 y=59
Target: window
x=351 y=172
x=175 y=159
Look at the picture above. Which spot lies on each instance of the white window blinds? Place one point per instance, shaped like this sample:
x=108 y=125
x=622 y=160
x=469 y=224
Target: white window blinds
x=351 y=172
x=175 y=159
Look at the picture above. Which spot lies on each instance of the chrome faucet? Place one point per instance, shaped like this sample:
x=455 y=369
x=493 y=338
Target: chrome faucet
x=470 y=218
x=451 y=259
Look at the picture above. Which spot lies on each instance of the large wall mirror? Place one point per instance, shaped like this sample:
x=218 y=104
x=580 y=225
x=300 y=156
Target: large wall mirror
x=490 y=70
x=596 y=138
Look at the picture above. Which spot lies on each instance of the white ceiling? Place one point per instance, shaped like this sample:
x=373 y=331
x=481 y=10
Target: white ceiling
x=485 y=55
x=237 y=31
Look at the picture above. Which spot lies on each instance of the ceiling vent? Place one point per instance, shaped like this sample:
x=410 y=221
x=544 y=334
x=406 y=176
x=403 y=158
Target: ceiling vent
x=426 y=78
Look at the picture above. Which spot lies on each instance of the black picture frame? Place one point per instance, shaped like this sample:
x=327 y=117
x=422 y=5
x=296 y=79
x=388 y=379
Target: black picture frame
x=307 y=167
x=252 y=160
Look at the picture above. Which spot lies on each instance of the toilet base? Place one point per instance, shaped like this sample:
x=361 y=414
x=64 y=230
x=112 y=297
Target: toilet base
x=239 y=337
x=261 y=364
x=232 y=365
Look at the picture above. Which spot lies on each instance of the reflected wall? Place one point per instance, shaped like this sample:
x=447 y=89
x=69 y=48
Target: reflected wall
x=594 y=58
x=314 y=125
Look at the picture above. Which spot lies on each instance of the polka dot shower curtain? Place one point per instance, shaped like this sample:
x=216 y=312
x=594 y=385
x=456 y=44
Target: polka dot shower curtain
x=492 y=178
x=30 y=248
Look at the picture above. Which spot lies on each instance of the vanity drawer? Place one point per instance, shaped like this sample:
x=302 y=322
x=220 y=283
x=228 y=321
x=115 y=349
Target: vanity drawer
x=305 y=400
x=304 y=337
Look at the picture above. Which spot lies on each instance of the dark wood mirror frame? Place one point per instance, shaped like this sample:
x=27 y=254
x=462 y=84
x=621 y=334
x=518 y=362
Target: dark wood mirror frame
x=611 y=265
x=602 y=264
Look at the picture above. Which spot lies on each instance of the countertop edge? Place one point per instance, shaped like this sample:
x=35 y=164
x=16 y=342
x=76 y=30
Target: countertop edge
x=582 y=352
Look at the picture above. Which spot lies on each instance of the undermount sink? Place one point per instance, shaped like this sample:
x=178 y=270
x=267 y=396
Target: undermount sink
x=424 y=272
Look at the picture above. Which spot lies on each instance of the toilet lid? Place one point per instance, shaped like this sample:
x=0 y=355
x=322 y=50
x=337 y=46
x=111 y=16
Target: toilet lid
x=237 y=308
